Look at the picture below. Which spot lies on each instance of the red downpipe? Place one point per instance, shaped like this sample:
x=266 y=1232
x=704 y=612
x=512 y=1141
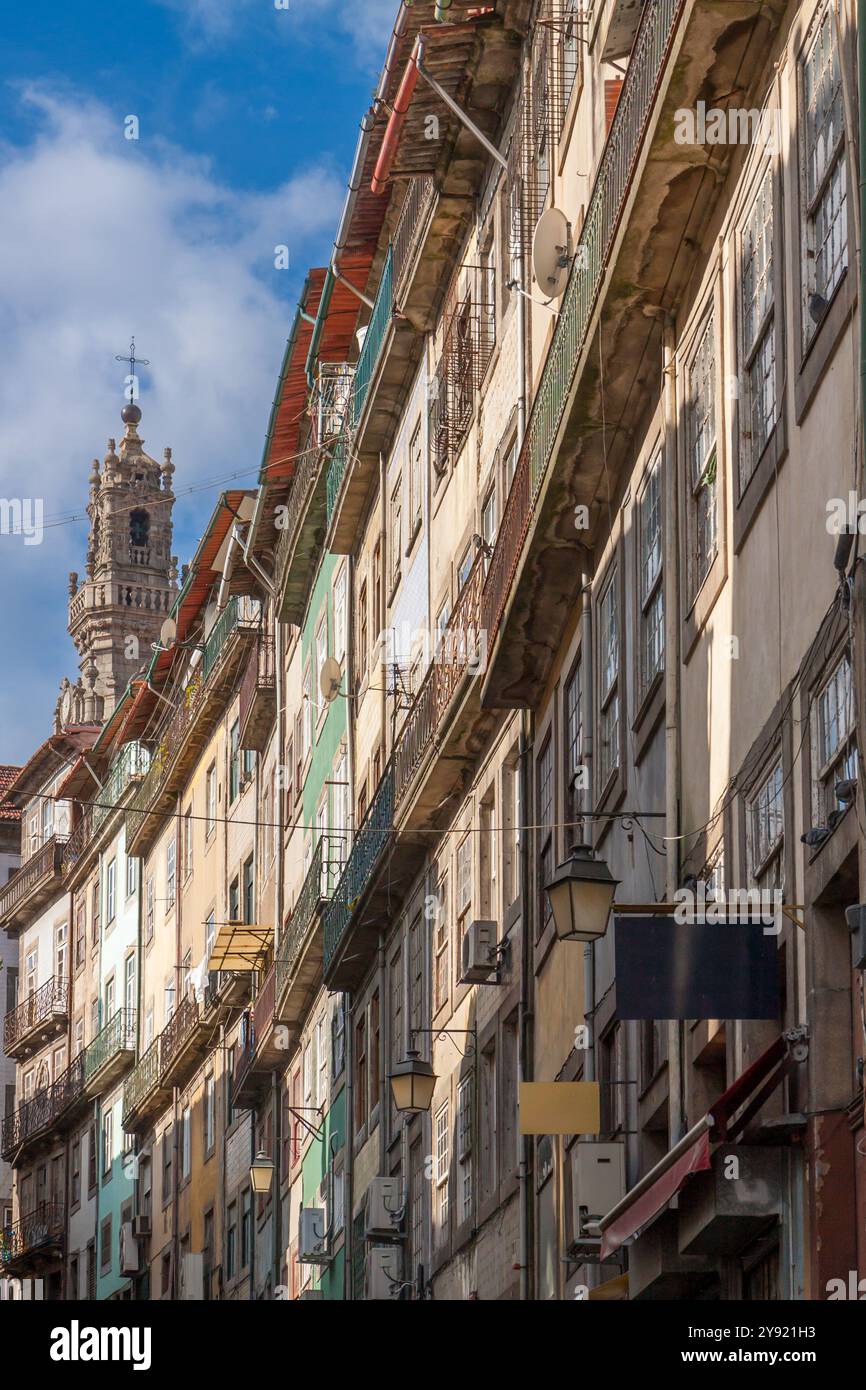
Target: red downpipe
x=400 y=110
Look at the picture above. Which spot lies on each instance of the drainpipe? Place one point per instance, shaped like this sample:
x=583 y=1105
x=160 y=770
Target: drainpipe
x=276 y=1205
x=861 y=147
x=178 y=1000
x=348 y=1138
x=586 y=667
x=525 y=1014
x=349 y=1167
x=676 y=1107
x=380 y=616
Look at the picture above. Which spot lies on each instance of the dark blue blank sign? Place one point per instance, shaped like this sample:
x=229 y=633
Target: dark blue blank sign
x=666 y=969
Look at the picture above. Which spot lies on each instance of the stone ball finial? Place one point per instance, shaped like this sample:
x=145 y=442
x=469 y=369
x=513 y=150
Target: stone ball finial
x=130 y=414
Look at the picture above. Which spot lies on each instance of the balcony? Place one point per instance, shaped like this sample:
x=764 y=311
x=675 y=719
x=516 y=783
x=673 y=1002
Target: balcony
x=651 y=205
x=184 y=1042
x=188 y=729
x=39 y=1018
x=145 y=1093
x=302 y=528
x=299 y=957
x=445 y=726
x=51 y=1109
x=357 y=913
x=226 y=991
x=32 y=886
x=265 y=1046
x=110 y=1054
x=258 y=696
x=35 y=1242
x=127 y=770
x=467 y=347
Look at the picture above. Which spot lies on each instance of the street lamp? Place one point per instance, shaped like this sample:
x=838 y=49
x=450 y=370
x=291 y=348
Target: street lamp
x=261 y=1173
x=412 y=1083
x=581 y=894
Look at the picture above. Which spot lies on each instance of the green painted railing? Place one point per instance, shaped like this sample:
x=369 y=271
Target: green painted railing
x=118 y=1035
x=613 y=181
x=336 y=470
x=367 y=850
x=143 y=1078
x=373 y=339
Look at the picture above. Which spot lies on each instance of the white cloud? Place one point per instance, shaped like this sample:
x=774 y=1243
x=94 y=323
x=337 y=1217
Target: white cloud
x=367 y=23
x=101 y=238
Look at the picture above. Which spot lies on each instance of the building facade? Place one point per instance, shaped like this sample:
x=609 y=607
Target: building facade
x=540 y=569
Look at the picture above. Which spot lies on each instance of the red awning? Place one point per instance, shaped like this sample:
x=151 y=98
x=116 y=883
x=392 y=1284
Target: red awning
x=726 y=1120
x=654 y=1199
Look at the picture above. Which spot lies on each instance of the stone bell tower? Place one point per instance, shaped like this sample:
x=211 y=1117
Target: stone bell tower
x=131 y=580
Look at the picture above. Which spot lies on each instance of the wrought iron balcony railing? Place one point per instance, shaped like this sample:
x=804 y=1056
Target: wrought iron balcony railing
x=143 y=1078
x=622 y=149
x=131 y=764
x=177 y=1032
x=258 y=686
x=43 y=1110
x=461 y=650
x=117 y=1036
x=367 y=849
x=420 y=196
x=336 y=473
x=41 y=867
x=322 y=875
x=49 y=1002
x=45 y=1225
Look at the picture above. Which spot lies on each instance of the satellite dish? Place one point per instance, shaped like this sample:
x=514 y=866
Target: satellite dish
x=551 y=252
x=329 y=679
x=168 y=633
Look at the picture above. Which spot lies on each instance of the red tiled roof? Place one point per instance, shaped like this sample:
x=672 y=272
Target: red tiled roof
x=8 y=775
x=49 y=756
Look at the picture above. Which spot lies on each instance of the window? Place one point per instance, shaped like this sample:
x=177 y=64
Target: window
x=246 y=1227
x=107 y=1142
x=210 y=801
x=170 y=874
x=30 y=972
x=148 y=922
x=61 y=951
x=377 y=587
x=185 y=1143
x=131 y=875
x=652 y=613
x=464 y=569
x=464 y=890
x=80 y=932
x=110 y=882
x=824 y=175
x=612 y=1071
x=464 y=1148
x=544 y=831
x=836 y=752
x=340 y=614
x=94 y=915
x=169 y=997
x=608 y=641
x=105 y=1245
x=488 y=903
x=166 y=1166
x=187 y=843
x=489 y=520
x=234 y=763
x=396 y=531
x=441 y=944
x=759 y=332
x=701 y=412
x=338 y=1038
x=417 y=990
x=487 y=295
x=249 y=882
x=231 y=1240
x=416 y=481
x=321 y=656
x=397 y=1017
x=360 y=1072
x=129 y=989
x=373 y=1087
x=307 y=712
x=573 y=748
x=47 y=820
x=442 y=1156
x=235 y=900
x=75 y=1179
x=766 y=825
x=509 y=468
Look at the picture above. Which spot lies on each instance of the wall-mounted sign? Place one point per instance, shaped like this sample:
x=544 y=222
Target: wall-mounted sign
x=560 y=1107
x=667 y=969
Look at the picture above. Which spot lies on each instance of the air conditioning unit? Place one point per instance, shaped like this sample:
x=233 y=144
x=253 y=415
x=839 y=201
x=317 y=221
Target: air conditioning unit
x=141 y=1227
x=192 y=1278
x=383 y=1208
x=478 y=954
x=129 y=1257
x=382 y=1278
x=312 y=1237
x=597 y=1182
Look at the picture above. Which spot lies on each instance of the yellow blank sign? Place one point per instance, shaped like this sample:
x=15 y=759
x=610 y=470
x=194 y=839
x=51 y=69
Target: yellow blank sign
x=560 y=1107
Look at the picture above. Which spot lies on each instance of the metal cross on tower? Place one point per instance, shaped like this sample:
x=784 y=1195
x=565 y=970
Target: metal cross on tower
x=132 y=359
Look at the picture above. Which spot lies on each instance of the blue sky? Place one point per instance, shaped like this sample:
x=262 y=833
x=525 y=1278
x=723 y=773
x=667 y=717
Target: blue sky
x=247 y=121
